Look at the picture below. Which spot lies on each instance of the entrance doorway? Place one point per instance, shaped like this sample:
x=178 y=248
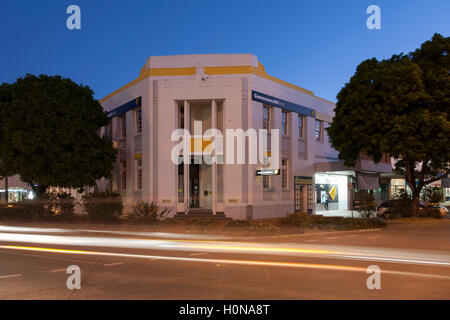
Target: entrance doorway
x=200 y=186
x=194 y=185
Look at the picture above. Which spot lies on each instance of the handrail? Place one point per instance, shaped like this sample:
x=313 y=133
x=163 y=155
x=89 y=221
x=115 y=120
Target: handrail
x=186 y=207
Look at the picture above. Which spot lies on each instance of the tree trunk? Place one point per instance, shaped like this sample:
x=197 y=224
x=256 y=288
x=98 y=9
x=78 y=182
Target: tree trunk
x=38 y=190
x=6 y=190
x=415 y=204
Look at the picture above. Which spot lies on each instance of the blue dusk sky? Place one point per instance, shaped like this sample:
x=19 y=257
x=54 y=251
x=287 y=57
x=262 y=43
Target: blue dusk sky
x=313 y=44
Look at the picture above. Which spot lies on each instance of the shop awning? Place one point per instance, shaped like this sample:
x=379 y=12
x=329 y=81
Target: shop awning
x=367 y=181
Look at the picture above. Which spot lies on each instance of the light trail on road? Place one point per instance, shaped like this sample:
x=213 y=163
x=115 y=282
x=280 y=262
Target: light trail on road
x=163 y=235
x=306 y=250
x=224 y=261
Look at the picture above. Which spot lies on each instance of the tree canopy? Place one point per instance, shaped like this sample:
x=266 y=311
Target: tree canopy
x=49 y=133
x=399 y=106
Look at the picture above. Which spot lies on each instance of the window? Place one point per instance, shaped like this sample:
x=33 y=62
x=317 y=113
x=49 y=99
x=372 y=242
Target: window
x=266 y=117
x=123 y=126
x=284 y=120
x=300 y=126
x=139 y=174
x=181 y=124
x=284 y=174
x=139 y=120
x=266 y=182
x=319 y=131
x=109 y=129
x=325 y=126
x=123 y=173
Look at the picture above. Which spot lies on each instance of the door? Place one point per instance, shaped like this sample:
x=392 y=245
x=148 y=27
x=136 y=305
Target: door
x=194 y=185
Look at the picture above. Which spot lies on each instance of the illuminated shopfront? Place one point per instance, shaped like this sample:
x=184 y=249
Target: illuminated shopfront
x=336 y=187
x=16 y=195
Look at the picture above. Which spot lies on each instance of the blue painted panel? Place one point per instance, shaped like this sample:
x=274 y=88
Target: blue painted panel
x=283 y=104
x=133 y=104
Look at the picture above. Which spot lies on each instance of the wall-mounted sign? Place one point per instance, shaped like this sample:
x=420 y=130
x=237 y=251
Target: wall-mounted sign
x=268 y=172
x=133 y=104
x=283 y=104
x=303 y=180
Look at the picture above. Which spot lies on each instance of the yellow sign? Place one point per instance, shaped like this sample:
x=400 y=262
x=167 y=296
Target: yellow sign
x=200 y=145
x=333 y=193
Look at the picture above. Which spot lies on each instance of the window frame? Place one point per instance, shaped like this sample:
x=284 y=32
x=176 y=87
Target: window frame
x=320 y=137
x=266 y=183
x=139 y=180
x=284 y=124
x=285 y=174
x=138 y=119
x=266 y=121
x=301 y=128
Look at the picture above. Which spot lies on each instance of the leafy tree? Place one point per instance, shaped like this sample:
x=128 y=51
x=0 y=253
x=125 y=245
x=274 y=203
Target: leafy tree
x=49 y=132
x=399 y=106
x=6 y=166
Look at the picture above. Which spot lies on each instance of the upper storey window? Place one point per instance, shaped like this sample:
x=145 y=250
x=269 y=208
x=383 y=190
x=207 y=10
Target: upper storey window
x=300 y=126
x=139 y=120
x=266 y=117
x=319 y=131
x=284 y=122
x=123 y=126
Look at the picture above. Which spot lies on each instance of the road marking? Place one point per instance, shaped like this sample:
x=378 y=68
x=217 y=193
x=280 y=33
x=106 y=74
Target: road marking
x=225 y=261
x=11 y=276
x=198 y=253
x=113 y=264
x=59 y=270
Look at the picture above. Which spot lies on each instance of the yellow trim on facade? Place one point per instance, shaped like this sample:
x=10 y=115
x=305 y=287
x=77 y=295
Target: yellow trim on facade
x=112 y=94
x=157 y=72
x=229 y=70
x=138 y=156
x=259 y=71
x=153 y=72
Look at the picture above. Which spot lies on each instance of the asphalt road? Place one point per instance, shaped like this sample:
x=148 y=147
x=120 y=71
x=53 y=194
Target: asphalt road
x=33 y=265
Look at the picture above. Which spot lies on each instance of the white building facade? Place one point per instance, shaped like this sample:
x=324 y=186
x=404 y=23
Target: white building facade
x=223 y=91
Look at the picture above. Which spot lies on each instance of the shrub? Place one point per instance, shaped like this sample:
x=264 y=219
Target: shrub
x=304 y=220
x=402 y=206
x=200 y=223
x=297 y=219
x=144 y=212
x=245 y=225
x=368 y=206
x=264 y=228
x=103 y=206
x=61 y=205
x=14 y=212
x=26 y=210
x=432 y=195
x=238 y=224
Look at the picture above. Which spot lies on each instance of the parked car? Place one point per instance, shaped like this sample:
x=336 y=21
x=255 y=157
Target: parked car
x=384 y=208
x=442 y=210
